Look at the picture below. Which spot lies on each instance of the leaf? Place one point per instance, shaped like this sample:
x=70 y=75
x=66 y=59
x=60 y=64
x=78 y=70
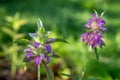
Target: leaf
x=39 y=23
x=41 y=30
x=96 y=53
x=8 y=31
x=67 y=75
x=32 y=35
x=22 y=41
x=102 y=13
x=55 y=56
x=50 y=75
x=96 y=12
x=51 y=40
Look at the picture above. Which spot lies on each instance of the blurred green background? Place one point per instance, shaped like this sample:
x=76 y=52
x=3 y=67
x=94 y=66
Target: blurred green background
x=65 y=19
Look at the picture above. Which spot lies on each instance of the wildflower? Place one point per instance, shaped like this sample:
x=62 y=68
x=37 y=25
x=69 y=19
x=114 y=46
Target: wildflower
x=33 y=54
x=95 y=28
x=96 y=23
x=93 y=39
x=39 y=49
x=38 y=59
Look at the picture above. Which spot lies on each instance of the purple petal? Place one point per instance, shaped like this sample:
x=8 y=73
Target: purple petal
x=38 y=59
x=95 y=16
x=101 y=22
x=47 y=59
x=48 y=48
x=36 y=44
x=27 y=50
x=28 y=55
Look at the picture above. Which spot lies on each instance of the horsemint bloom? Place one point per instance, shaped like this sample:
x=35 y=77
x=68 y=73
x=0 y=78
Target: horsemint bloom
x=39 y=50
x=95 y=27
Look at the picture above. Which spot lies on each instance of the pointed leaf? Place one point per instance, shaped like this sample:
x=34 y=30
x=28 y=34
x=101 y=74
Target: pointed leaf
x=51 y=40
x=39 y=23
x=96 y=12
x=96 y=53
x=55 y=56
x=22 y=41
x=50 y=75
x=33 y=35
x=67 y=75
x=41 y=30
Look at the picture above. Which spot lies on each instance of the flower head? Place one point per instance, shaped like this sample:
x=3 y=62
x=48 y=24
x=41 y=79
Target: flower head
x=93 y=37
x=39 y=49
x=96 y=23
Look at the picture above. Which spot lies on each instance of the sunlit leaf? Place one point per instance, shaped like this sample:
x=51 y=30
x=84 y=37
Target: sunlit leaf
x=67 y=75
x=102 y=13
x=96 y=12
x=8 y=31
x=39 y=23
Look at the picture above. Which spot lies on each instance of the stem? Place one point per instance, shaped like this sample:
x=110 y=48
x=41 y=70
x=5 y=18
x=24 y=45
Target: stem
x=13 y=67
x=38 y=72
x=83 y=71
x=84 y=68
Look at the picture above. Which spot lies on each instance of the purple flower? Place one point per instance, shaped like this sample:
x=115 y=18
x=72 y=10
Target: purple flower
x=38 y=59
x=36 y=44
x=48 y=48
x=47 y=59
x=28 y=55
x=96 y=23
x=27 y=50
x=93 y=39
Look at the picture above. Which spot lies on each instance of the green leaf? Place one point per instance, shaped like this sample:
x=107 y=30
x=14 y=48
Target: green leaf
x=50 y=75
x=51 y=40
x=96 y=53
x=67 y=75
x=102 y=13
x=55 y=56
x=41 y=31
x=22 y=41
x=39 y=23
x=96 y=12
x=60 y=40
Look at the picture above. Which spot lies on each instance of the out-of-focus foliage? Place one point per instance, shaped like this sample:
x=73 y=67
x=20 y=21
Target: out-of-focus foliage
x=65 y=18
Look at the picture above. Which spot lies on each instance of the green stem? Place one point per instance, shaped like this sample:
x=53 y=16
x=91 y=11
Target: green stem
x=38 y=72
x=84 y=68
x=83 y=71
x=13 y=67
